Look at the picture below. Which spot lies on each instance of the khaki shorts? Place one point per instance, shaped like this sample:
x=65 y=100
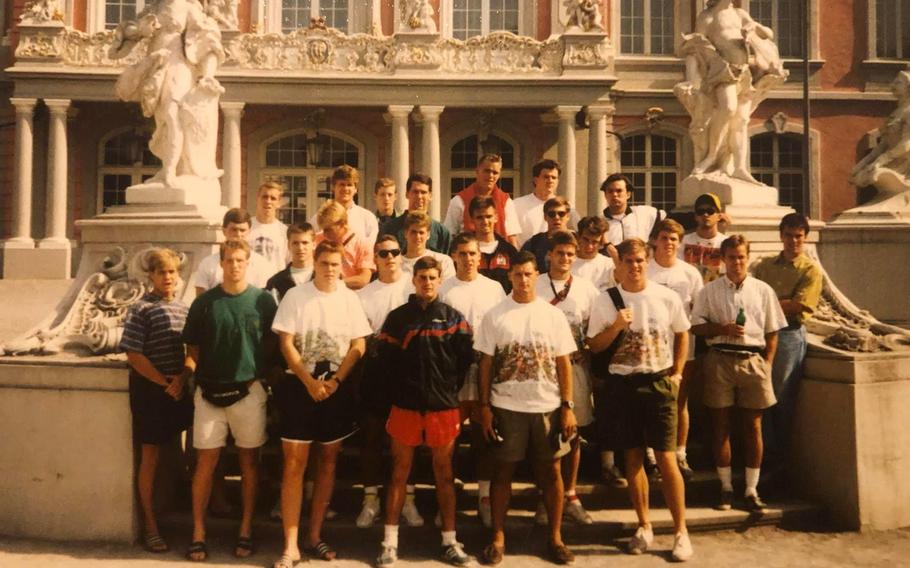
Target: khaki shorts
x=737 y=379
x=532 y=434
x=245 y=419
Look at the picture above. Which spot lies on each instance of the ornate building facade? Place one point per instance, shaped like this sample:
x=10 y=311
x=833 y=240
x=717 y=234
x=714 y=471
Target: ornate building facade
x=395 y=86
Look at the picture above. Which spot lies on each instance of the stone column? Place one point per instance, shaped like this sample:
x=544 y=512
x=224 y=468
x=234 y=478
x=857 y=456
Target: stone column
x=57 y=162
x=230 y=153
x=429 y=116
x=566 y=152
x=599 y=116
x=22 y=202
x=399 y=166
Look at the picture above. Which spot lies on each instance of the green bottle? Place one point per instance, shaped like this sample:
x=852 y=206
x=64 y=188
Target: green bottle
x=741 y=317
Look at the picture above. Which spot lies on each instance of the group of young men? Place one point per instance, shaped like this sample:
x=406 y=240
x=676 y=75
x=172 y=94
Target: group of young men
x=410 y=329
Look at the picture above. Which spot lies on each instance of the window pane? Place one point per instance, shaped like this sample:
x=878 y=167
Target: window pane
x=507 y=184
x=295 y=14
x=459 y=183
x=465 y=154
x=905 y=29
x=504 y=15
x=335 y=13
x=761 y=11
x=790 y=190
x=113 y=187
x=762 y=151
x=663 y=190
x=632 y=26
x=886 y=23
x=663 y=151
x=466 y=18
x=662 y=27
x=638 y=181
x=116 y=11
x=791 y=152
x=789 y=30
x=293 y=208
x=632 y=151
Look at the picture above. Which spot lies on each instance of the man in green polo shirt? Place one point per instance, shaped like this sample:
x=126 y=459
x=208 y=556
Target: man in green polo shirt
x=419 y=191
x=230 y=345
x=797 y=281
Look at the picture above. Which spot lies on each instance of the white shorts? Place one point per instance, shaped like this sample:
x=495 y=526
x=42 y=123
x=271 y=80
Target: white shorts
x=244 y=419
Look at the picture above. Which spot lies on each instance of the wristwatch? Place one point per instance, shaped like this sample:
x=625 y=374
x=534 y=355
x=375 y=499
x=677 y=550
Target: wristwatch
x=567 y=404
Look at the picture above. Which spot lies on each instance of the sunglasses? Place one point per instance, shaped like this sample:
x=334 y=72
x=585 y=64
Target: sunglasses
x=705 y=211
x=555 y=214
x=386 y=253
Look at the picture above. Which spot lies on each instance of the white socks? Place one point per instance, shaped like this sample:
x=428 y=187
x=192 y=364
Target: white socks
x=726 y=478
x=409 y=489
x=391 y=536
x=681 y=453
x=752 y=475
x=448 y=538
x=483 y=488
x=371 y=490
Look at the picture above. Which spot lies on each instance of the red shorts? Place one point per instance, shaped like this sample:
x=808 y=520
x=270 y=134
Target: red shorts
x=433 y=429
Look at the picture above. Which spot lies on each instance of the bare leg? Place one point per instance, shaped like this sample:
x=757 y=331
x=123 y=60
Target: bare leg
x=673 y=488
x=445 y=484
x=570 y=464
x=148 y=465
x=249 y=483
x=682 y=405
x=500 y=493
x=402 y=457
x=752 y=434
x=638 y=484
x=549 y=479
x=202 y=489
x=720 y=418
x=295 y=461
x=322 y=491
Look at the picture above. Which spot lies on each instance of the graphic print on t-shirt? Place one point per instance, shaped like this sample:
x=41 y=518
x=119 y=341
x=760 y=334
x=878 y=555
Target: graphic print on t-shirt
x=316 y=345
x=527 y=362
x=706 y=259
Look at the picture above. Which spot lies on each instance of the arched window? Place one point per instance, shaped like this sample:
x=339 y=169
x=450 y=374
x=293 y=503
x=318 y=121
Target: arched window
x=652 y=162
x=777 y=160
x=125 y=160
x=466 y=152
x=304 y=166
x=479 y=17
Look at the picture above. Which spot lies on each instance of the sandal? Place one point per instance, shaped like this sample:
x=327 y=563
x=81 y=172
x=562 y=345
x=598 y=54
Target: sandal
x=197 y=547
x=244 y=547
x=322 y=551
x=492 y=554
x=285 y=562
x=155 y=544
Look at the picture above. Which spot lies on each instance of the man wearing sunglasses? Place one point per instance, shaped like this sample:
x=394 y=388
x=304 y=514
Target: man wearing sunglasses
x=701 y=248
x=378 y=298
x=626 y=221
x=556 y=211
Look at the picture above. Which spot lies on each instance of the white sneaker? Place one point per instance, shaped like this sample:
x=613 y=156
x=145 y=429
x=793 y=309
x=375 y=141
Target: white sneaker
x=410 y=513
x=682 y=547
x=641 y=540
x=370 y=511
x=484 y=511
x=540 y=516
x=388 y=556
x=574 y=510
x=613 y=477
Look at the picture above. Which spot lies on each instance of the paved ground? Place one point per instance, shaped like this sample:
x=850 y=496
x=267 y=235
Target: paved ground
x=761 y=546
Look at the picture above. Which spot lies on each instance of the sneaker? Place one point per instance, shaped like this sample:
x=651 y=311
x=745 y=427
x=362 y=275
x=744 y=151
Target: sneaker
x=726 y=501
x=455 y=555
x=641 y=540
x=614 y=478
x=388 y=556
x=485 y=512
x=370 y=511
x=685 y=469
x=754 y=504
x=410 y=513
x=540 y=516
x=682 y=547
x=574 y=511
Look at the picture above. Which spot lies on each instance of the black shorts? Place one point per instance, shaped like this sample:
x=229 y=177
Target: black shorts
x=157 y=418
x=302 y=419
x=643 y=412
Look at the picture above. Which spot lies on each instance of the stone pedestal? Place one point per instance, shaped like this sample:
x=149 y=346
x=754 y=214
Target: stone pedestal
x=202 y=195
x=871 y=264
x=415 y=51
x=584 y=52
x=850 y=451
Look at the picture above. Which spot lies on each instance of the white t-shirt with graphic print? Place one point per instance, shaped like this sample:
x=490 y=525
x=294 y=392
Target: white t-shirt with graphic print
x=577 y=305
x=323 y=323
x=647 y=345
x=597 y=270
x=524 y=340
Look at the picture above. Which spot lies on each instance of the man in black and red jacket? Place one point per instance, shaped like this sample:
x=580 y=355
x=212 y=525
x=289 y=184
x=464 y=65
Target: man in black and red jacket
x=426 y=346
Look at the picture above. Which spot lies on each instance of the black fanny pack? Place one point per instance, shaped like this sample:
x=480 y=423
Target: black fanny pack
x=223 y=394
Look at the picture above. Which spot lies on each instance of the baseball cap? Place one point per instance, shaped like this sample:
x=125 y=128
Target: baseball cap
x=708 y=199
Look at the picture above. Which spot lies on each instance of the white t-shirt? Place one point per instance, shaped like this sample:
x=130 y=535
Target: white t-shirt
x=704 y=255
x=301 y=275
x=448 y=267
x=360 y=221
x=638 y=222
x=524 y=341
x=647 y=345
x=379 y=298
x=454 y=220
x=271 y=241
x=685 y=280
x=323 y=323
x=720 y=301
x=597 y=270
x=531 y=218
x=209 y=273
x=473 y=299
x=576 y=306
x=488 y=248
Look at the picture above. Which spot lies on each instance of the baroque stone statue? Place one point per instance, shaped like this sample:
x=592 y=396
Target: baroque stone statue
x=175 y=83
x=584 y=15
x=887 y=166
x=224 y=12
x=417 y=16
x=732 y=64
x=40 y=12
